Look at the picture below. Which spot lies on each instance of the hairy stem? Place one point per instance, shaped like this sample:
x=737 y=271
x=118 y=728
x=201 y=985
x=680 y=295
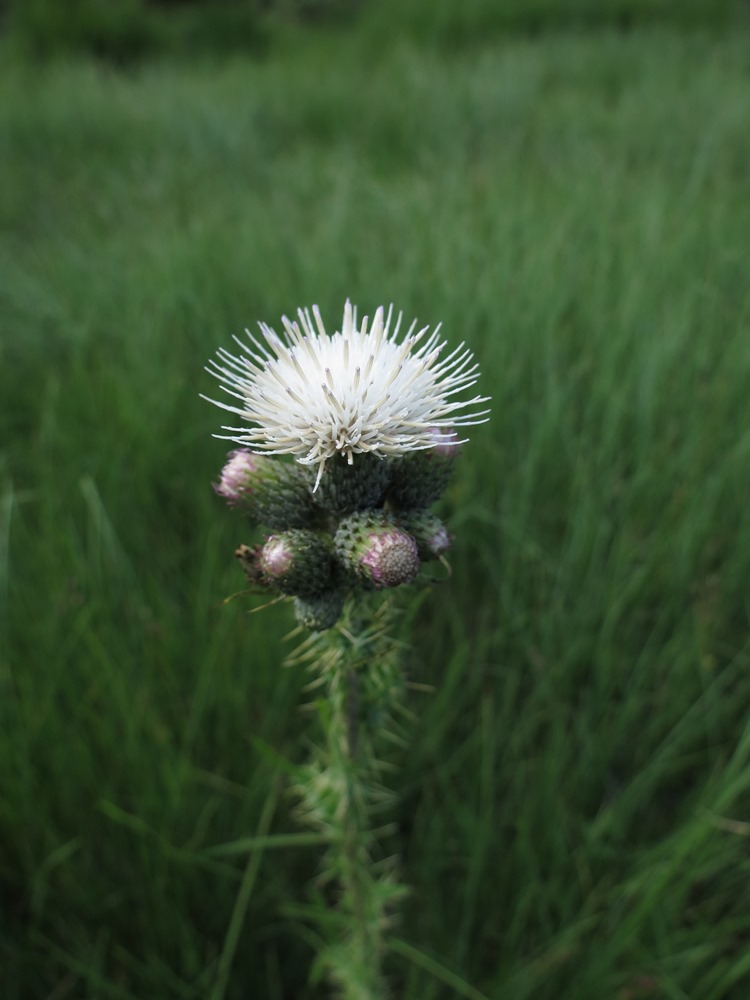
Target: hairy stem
x=357 y=673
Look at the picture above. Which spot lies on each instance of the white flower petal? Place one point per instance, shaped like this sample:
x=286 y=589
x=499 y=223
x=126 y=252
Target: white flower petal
x=313 y=395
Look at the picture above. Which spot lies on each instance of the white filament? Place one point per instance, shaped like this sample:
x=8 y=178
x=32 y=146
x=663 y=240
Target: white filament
x=314 y=395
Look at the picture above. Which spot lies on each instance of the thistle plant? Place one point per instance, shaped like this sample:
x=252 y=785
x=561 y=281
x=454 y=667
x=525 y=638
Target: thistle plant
x=346 y=441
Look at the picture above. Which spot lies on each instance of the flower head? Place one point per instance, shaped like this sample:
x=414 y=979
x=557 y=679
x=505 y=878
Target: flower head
x=315 y=395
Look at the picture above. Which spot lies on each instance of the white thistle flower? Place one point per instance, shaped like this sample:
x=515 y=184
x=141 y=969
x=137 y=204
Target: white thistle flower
x=314 y=395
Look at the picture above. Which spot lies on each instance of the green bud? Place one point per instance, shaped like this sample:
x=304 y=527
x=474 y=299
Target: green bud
x=428 y=531
x=320 y=612
x=344 y=488
x=420 y=478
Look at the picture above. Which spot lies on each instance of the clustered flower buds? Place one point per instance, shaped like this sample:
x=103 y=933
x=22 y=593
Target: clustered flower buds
x=371 y=421
x=349 y=534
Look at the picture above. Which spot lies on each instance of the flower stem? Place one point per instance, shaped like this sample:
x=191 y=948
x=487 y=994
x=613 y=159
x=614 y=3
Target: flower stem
x=357 y=672
x=352 y=708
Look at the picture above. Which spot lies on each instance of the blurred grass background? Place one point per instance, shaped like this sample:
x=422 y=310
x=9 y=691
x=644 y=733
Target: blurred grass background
x=565 y=186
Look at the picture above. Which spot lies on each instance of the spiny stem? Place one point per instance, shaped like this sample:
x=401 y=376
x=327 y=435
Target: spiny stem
x=358 y=665
x=366 y=939
x=352 y=707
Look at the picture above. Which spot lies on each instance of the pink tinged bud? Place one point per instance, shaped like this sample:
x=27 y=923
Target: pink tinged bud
x=236 y=475
x=438 y=542
x=390 y=558
x=276 y=557
x=429 y=533
x=296 y=562
x=375 y=550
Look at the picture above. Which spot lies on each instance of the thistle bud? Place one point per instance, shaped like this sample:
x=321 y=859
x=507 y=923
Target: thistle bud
x=269 y=491
x=375 y=550
x=344 y=488
x=236 y=476
x=419 y=478
x=428 y=531
x=320 y=612
x=295 y=562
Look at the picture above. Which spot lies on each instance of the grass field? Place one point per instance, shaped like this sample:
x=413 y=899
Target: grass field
x=575 y=804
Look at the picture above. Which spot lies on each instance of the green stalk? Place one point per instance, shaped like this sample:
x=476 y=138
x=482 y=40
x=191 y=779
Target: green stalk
x=357 y=673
